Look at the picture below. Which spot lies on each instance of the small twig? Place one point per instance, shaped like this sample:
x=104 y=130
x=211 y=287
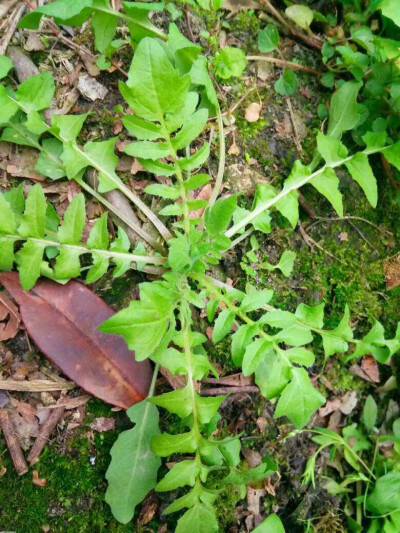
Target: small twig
x=235 y=380
x=310 y=242
x=389 y=173
x=5 y=7
x=308 y=208
x=12 y=441
x=284 y=63
x=350 y=217
x=35 y=385
x=309 y=40
x=44 y=434
x=188 y=24
x=13 y=22
x=218 y=391
x=293 y=120
x=361 y=234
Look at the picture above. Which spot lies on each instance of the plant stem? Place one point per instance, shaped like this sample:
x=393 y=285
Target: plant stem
x=287 y=190
x=85 y=250
x=221 y=163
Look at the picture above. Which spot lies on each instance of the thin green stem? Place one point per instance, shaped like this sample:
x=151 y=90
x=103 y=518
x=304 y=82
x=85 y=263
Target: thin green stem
x=85 y=250
x=221 y=163
x=287 y=190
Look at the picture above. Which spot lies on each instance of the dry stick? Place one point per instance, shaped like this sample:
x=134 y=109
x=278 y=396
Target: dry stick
x=14 y=19
x=44 y=434
x=311 y=41
x=35 y=385
x=389 y=174
x=6 y=6
x=284 y=63
x=13 y=444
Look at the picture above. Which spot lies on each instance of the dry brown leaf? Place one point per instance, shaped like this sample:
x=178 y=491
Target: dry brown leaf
x=234 y=6
x=36 y=480
x=9 y=328
x=349 y=402
x=253 y=457
x=391 y=266
x=19 y=162
x=103 y=424
x=204 y=194
x=148 y=509
x=252 y=112
x=330 y=407
x=343 y=236
x=370 y=367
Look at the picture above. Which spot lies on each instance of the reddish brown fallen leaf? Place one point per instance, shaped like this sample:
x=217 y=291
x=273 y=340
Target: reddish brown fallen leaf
x=8 y=329
x=370 y=367
x=36 y=480
x=62 y=320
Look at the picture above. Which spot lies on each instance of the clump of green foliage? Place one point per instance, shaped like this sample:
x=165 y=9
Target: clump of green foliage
x=171 y=96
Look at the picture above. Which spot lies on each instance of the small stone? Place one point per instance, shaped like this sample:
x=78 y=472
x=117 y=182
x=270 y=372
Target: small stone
x=90 y=88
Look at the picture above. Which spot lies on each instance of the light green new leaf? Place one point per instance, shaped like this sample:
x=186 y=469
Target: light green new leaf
x=272 y=374
x=190 y=130
x=68 y=264
x=301 y=15
x=312 y=316
x=195 y=160
x=361 y=172
x=166 y=444
x=343 y=111
x=151 y=79
x=219 y=215
x=181 y=474
x=229 y=61
x=256 y=300
x=36 y=92
x=392 y=154
x=104 y=26
x=289 y=207
x=327 y=184
x=268 y=38
x=33 y=219
x=299 y=399
x=5 y=66
x=98 y=237
x=255 y=351
x=331 y=149
x=68 y=126
x=7 y=257
x=178 y=253
x=164 y=191
x=177 y=401
x=8 y=222
x=370 y=413
x=223 y=325
x=139 y=24
x=335 y=340
x=385 y=496
x=199 y=519
x=98 y=269
x=301 y=356
x=240 y=340
x=143 y=323
x=148 y=150
x=278 y=319
x=133 y=469
x=287 y=83
x=285 y=265
x=49 y=161
x=121 y=244
x=101 y=155
x=295 y=335
x=142 y=129
x=272 y=524
x=29 y=260
x=74 y=220
x=207 y=407
x=390 y=9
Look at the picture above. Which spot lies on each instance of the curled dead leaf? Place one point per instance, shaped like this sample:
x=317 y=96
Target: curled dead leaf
x=10 y=327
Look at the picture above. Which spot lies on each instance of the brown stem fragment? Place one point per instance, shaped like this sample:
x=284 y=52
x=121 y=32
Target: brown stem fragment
x=44 y=435
x=13 y=443
x=218 y=391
